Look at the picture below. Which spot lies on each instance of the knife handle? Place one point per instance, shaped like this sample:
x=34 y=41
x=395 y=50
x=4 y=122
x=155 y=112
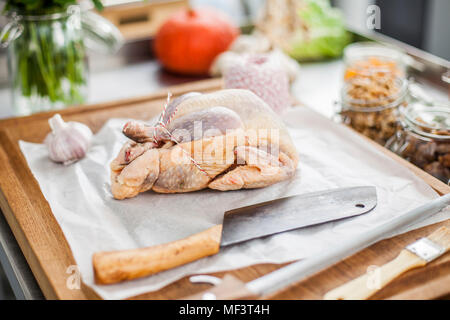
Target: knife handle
x=115 y=266
x=364 y=287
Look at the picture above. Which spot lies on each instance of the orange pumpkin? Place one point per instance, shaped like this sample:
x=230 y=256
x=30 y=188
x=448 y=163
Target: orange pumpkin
x=190 y=40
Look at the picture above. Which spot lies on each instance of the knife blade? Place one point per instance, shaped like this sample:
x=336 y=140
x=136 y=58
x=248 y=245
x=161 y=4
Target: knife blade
x=239 y=225
x=295 y=212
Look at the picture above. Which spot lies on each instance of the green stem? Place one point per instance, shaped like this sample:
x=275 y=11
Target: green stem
x=40 y=60
x=45 y=69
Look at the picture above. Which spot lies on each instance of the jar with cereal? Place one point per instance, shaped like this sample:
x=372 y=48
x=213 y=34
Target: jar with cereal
x=369 y=105
x=425 y=139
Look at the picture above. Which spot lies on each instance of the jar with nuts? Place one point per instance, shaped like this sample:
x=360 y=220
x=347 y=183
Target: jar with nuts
x=424 y=139
x=369 y=105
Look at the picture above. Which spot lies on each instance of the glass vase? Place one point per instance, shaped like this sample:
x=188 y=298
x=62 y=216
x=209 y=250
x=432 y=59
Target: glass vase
x=47 y=61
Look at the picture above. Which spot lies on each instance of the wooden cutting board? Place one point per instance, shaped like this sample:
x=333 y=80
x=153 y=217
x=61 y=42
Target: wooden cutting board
x=47 y=252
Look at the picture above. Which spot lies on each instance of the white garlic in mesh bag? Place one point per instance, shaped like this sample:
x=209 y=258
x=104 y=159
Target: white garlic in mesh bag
x=68 y=141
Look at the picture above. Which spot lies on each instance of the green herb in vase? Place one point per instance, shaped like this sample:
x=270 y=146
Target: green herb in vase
x=46 y=54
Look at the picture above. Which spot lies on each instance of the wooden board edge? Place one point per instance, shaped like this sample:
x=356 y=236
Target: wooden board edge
x=149 y=15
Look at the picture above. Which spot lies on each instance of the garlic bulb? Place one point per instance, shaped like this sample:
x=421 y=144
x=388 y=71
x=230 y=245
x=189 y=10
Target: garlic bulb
x=68 y=141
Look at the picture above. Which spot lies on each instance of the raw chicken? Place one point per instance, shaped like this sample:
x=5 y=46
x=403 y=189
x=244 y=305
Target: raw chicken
x=226 y=140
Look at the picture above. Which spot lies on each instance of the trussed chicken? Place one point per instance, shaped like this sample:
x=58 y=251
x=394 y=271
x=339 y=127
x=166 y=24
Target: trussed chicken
x=226 y=140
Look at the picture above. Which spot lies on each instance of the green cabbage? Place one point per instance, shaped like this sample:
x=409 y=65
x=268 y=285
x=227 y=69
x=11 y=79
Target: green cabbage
x=325 y=35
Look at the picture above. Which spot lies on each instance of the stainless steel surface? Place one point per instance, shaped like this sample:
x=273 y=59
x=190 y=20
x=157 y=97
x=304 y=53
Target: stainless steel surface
x=5 y=289
x=296 y=212
x=426 y=249
x=17 y=271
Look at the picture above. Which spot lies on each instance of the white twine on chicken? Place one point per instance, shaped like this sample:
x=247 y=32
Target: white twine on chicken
x=160 y=124
x=172 y=138
x=169 y=95
x=163 y=113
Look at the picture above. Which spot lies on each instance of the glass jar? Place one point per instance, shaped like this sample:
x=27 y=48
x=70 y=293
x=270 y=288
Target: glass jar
x=47 y=59
x=366 y=59
x=424 y=139
x=369 y=105
x=47 y=62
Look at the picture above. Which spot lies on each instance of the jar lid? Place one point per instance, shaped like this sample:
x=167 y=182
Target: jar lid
x=433 y=122
x=366 y=58
x=358 y=50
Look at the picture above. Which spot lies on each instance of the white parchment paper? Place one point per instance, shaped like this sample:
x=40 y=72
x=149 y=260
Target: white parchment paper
x=330 y=156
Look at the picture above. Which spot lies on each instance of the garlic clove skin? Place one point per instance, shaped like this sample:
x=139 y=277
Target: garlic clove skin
x=68 y=142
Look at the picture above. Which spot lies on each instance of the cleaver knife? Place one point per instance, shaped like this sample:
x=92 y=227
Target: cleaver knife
x=239 y=225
